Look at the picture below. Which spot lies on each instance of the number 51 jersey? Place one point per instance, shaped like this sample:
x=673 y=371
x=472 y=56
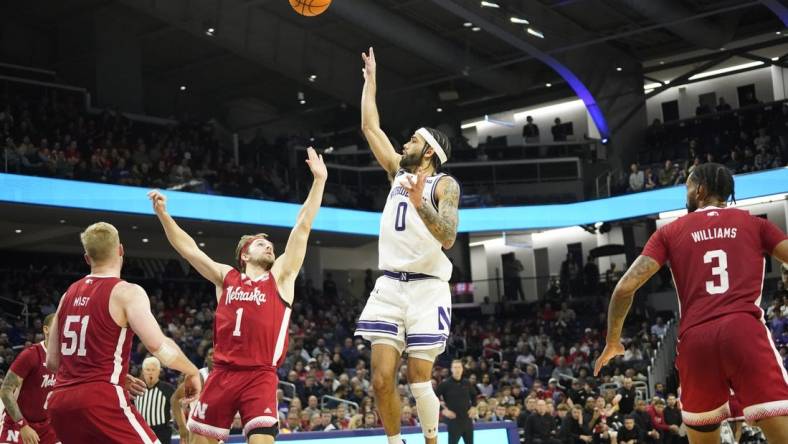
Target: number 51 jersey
x=717 y=260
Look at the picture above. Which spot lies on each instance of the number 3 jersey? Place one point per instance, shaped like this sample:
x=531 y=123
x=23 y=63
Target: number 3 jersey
x=716 y=256
x=93 y=348
x=406 y=243
x=250 y=328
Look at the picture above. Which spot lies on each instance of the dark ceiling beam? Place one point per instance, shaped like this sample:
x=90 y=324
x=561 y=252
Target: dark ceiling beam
x=703 y=33
x=712 y=55
x=683 y=78
x=193 y=64
x=765 y=60
x=378 y=20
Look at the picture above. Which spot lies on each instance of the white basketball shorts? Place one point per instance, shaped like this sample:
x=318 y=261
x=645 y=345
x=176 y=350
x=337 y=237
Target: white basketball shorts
x=415 y=314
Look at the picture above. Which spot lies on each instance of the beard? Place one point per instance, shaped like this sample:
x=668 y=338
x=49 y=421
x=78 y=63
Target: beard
x=691 y=206
x=409 y=161
x=262 y=261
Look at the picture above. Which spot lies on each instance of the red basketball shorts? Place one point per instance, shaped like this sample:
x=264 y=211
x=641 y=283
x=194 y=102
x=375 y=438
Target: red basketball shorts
x=252 y=393
x=10 y=434
x=734 y=352
x=97 y=412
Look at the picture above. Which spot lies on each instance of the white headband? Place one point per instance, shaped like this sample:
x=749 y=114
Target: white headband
x=433 y=143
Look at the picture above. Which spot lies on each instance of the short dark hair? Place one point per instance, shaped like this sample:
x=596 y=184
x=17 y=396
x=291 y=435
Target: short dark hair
x=717 y=180
x=443 y=141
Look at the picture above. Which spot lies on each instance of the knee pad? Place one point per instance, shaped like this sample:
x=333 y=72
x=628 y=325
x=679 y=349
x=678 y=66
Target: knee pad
x=428 y=406
x=704 y=428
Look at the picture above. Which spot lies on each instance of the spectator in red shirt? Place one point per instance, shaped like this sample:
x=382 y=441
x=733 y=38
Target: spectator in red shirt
x=657 y=413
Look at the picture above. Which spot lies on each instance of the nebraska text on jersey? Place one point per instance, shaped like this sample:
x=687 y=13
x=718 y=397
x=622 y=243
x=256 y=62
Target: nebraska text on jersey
x=237 y=294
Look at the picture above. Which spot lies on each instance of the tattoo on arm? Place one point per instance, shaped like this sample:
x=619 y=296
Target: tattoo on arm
x=641 y=271
x=443 y=223
x=8 y=394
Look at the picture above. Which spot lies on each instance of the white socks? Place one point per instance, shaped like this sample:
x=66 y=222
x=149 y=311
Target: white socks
x=428 y=406
x=396 y=439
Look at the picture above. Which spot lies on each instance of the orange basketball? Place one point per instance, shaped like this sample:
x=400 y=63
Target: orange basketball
x=310 y=8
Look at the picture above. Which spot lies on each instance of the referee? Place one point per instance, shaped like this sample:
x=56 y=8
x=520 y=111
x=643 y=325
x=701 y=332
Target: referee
x=458 y=395
x=154 y=405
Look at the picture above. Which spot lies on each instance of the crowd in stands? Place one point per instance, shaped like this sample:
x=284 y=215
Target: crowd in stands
x=536 y=365
x=744 y=140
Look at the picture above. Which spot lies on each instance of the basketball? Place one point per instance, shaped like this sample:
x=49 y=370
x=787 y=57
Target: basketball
x=310 y=8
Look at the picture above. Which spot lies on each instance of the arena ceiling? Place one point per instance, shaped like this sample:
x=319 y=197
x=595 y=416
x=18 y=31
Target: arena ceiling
x=261 y=54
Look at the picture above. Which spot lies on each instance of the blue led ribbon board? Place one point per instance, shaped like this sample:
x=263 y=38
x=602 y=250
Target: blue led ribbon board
x=118 y=198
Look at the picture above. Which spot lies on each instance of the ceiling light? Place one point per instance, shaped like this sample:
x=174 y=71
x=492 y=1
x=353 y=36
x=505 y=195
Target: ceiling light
x=467 y=24
x=724 y=70
x=661 y=62
x=490 y=5
x=183 y=87
x=778 y=32
x=144 y=240
x=303 y=102
x=535 y=33
x=619 y=69
x=519 y=21
x=201 y=244
x=210 y=32
x=311 y=139
x=312 y=77
x=548 y=85
x=774 y=59
x=133 y=227
x=440 y=110
x=722 y=49
x=476 y=29
x=199 y=233
x=651 y=86
x=17 y=231
x=62 y=221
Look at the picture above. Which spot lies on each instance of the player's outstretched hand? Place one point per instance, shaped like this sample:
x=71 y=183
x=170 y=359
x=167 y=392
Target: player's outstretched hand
x=415 y=187
x=370 y=66
x=159 y=201
x=316 y=164
x=192 y=385
x=611 y=351
x=135 y=386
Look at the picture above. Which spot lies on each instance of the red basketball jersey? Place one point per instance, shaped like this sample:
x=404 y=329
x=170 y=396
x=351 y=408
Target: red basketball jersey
x=37 y=382
x=93 y=347
x=250 y=328
x=717 y=260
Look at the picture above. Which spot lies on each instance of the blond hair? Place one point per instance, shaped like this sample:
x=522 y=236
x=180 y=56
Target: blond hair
x=245 y=239
x=101 y=241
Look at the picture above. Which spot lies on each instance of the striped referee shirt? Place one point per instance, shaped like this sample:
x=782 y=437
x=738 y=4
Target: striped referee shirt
x=154 y=405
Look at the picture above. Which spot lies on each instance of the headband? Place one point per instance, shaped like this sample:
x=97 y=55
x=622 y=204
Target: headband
x=423 y=132
x=245 y=249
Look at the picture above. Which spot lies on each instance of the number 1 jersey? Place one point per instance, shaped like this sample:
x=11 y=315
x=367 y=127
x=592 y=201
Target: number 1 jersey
x=716 y=256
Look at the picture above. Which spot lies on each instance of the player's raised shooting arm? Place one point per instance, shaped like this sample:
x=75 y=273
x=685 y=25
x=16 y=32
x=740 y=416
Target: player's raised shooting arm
x=443 y=223
x=8 y=391
x=289 y=263
x=378 y=141
x=136 y=307
x=185 y=244
x=638 y=274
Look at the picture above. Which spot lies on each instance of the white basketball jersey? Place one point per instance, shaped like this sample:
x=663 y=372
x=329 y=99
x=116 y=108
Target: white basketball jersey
x=405 y=242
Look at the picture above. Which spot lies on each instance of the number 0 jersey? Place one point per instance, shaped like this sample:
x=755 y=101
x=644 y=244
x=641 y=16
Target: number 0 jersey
x=406 y=243
x=717 y=260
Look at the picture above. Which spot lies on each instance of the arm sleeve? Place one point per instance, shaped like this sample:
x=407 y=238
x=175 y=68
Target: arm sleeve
x=656 y=248
x=771 y=235
x=23 y=364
